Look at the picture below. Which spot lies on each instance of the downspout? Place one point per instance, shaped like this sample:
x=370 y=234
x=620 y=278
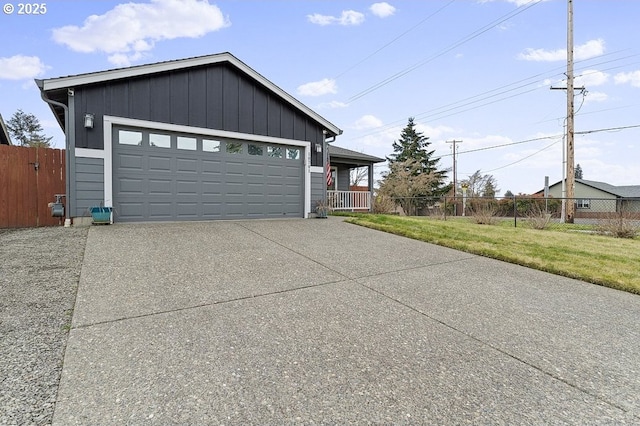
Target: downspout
x=67 y=155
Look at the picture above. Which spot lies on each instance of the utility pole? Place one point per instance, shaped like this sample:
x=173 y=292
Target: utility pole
x=455 y=161
x=455 y=180
x=571 y=182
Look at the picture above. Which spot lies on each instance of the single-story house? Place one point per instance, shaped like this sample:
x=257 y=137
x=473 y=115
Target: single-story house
x=192 y=139
x=4 y=133
x=592 y=197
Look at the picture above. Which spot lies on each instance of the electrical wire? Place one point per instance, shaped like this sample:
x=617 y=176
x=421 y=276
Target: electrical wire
x=459 y=43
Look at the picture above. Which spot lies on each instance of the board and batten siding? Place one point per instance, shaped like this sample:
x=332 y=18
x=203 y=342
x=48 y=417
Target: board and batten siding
x=216 y=96
x=89 y=184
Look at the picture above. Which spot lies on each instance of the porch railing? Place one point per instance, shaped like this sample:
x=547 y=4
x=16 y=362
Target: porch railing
x=349 y=200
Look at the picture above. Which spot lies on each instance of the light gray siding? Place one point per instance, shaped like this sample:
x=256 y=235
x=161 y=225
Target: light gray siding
x=89 y=184
x=343 y=179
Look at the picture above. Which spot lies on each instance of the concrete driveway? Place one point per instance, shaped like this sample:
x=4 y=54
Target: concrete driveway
x=323 y=322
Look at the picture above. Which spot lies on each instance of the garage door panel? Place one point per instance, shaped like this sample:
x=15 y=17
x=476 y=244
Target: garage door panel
x=130 y=161
x=160 y=187
x=186 y=165
x=187 y=210
x=130 y=186
x=160 y=210
x=187 y=187
x=153 y=183
x=160 y=164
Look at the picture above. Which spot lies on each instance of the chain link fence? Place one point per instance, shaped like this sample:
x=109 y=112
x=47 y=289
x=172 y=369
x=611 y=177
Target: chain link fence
x=535 y=212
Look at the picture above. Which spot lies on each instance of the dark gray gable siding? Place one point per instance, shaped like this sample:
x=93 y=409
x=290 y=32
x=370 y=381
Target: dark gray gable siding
x=217 y=96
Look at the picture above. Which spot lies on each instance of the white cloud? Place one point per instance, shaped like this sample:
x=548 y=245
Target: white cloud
x=588 y=50
x=595 y=97
x=591 y=78
x=348 y=17
x=367 y=122
x=129 y=30
x=516 y=2
x=20 y=67
x=628 y=77
x=318 y=88
x=382 y=10
x=333 y=105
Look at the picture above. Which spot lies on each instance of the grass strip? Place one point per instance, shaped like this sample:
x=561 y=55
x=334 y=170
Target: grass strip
x=598 y=259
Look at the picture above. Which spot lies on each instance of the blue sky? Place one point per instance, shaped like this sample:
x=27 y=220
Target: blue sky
x=479 y=71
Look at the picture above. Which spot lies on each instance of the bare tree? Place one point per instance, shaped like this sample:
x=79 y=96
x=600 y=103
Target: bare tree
x=406 y=183
x=481 y=185
x=358 y=175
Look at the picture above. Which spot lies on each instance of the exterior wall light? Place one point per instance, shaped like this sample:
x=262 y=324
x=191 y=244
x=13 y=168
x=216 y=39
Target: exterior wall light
x=88 y=121
x=318 y=147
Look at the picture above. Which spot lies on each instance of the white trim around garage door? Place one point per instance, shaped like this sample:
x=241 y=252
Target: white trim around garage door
x=107 y=153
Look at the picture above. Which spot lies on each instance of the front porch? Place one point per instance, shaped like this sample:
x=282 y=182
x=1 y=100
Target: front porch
x=351 y=188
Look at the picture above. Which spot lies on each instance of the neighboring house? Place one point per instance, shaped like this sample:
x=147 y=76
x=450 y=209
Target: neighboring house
x=192 y=139
x=594 y=197
x=342 y=196
x=4 y=133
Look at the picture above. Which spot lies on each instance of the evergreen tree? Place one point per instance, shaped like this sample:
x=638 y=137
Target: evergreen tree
x=413 y=146
x=414 y=178
x=578 y=172
x=27 y=130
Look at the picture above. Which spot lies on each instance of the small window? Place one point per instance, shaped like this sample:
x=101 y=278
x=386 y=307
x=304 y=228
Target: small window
x=234 y=147
x=255 y=149
x=584 y=204
x=128 y=137
x=160 y=141
x=274 y=151
x=209 y=145
x=186 y=143
x=293 y=153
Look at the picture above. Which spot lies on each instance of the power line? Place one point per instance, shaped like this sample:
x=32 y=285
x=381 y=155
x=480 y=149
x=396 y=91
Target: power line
x=459 y=43
x=436 y=112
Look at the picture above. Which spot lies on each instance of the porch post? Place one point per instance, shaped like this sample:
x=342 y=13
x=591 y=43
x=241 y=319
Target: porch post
x=370 y=179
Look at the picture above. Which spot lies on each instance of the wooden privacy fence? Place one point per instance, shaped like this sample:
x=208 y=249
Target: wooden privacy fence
x=29 y=180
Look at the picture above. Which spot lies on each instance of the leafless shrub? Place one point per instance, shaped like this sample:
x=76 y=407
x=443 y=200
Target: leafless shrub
x=383 y=204
x=538 y=218
x=483 y=212
x=619 y=224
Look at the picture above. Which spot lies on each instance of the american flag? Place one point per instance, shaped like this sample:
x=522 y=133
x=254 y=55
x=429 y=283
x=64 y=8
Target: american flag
x=329 y=177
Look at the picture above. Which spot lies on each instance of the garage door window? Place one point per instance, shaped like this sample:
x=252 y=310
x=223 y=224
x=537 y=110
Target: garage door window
x=234 y=148
x=186 y=143
x=128 y=137
x=274 y=151
x=209 y=145
x=160 y=141
x=255 y=149
x=293 y=153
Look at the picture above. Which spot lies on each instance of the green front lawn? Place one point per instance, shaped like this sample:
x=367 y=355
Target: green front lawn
x=604 y=260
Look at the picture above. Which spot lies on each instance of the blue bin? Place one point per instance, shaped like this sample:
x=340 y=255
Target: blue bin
x=101 y=214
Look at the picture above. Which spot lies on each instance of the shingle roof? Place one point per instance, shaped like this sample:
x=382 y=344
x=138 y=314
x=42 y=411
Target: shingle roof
x=627 y=191
x=344 y=153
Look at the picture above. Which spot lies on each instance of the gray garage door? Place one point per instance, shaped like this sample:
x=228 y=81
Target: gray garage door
x=160 y=176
